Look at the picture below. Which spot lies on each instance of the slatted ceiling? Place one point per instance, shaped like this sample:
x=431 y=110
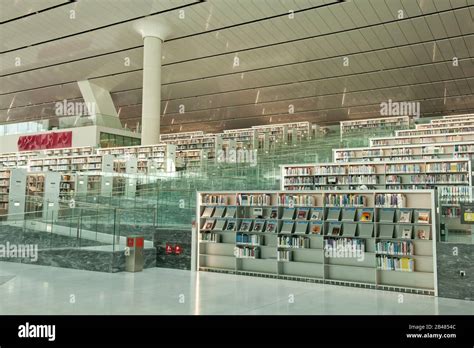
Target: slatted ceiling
x=11 y=9
x=277 y=30
x=450 y=24
x=57 y=22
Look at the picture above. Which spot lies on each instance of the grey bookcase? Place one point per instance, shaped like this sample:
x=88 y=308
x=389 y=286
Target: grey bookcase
x=291 y=251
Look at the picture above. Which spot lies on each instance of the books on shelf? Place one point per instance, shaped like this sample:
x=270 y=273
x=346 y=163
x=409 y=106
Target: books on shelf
x=293 y=242
x=257 y=213
x=302 y=213
x=345 y=199
x=316 y=227
x=253 y=199
x=274 y=213
x=247 y=252
x=208 y=225
x=395 y=247
x=395 y=200
x=423 y=234
x=348 y=245
x=245 y=225
x=366 y=215
x=334 y=229
x=251 y=239
x=231 y=225
x=405 y=216
x=258 y=225
x=284 y=255
x=423 y=217
x=317 y=214
x=388 y=263
x=271 y=226
x=214 y=199
x=210 y=237
x=299 y=200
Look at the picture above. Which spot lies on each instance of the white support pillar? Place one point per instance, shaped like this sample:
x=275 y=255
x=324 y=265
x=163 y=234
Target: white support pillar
x=151 y=102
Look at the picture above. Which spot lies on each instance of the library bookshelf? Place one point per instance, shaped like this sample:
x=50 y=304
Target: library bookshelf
x=381 y=123
x=403 y=174
x=458 y=116
x=433 y=131
x=377 y=239
x=417 y=139
x=464 y=149
x=447 y=123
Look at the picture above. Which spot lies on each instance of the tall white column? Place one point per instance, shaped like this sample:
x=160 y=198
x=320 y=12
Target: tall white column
x=151 y=98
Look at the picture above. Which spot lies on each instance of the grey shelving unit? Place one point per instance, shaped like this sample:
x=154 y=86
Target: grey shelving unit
x=316 y=262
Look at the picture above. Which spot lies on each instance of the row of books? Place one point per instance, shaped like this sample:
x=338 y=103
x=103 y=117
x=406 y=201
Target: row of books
x=210 y=237
x=284 y=255
x=352 y=179
x=390 y=200
x=388 y=263
x=298 y=171
x=395 y=247
x=214 y=199
x=290 y=200
x=342 y=170
x=254 y=199
x=247 y=252
x=345 y=199
x=253 y=239
x=344 y=243
x=293 y=242
x=454 y=194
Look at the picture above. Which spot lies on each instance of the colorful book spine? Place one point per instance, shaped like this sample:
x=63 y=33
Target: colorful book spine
x=390 y=200
x=343 y=200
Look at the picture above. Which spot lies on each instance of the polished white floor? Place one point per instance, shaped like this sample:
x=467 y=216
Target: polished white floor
x=27 y=289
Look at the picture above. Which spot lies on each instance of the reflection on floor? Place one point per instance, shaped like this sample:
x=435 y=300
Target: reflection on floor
x=50 y=290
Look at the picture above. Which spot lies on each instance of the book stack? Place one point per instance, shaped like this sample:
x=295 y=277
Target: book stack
x=395 y=247
x=247 y=252
x=345 y=244
x=390 y=200
x=388 y=263
x=214 y=199
x=251 y=199
x=301 y=200
x=343 y=200
x=284 y=255
x=249 y=239
x=293 y=242
x=298 y=171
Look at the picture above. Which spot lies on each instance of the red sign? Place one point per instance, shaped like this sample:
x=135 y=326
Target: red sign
x=52 y=140
x=177 y=249
x=130 y=242
x=140 y=242
x=168 y=249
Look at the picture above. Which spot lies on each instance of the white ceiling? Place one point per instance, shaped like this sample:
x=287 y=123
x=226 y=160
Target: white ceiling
x=283 y=61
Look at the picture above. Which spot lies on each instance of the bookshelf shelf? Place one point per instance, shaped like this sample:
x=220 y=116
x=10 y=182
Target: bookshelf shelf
x=304 y=255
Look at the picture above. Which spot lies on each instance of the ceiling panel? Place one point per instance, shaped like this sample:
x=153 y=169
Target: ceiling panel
x=281 y=60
